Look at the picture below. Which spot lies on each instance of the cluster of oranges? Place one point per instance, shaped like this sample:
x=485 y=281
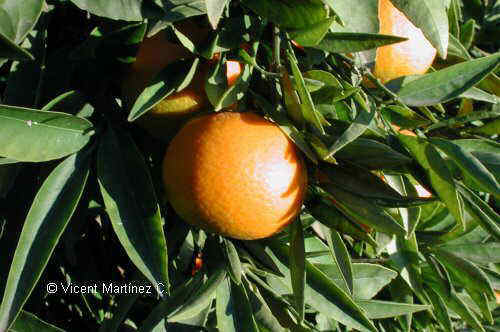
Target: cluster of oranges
x=237 y=174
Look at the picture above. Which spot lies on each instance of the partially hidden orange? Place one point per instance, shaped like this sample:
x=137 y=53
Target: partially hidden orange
x=234 y=174
x=410 y=57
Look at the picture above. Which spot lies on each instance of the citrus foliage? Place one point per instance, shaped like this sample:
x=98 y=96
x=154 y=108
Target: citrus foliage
x=399 y=230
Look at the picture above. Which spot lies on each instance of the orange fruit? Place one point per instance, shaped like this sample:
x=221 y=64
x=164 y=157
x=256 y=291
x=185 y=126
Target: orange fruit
x=497 y=295
x=234 y=174
x=410 y=57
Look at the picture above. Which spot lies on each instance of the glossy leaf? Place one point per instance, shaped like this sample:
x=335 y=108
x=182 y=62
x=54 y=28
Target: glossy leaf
x=123 y=177
x=368 y=279
x=356 y=129
x=348 y=42
x=9 y=50
x=376 y=309
x=437 y=172
x=47 y=218
x=297 y=266
x=172 y=79
x=234 y=269
x=312 y=35
x=445 y=84
x=294 y=14
x=32 y=135
x=128 y=10
x=225 y=310
x=200 y=297
x=18 y=18
x=363 y=211
x=341 y=257
x=469 y=165
x=29 y=322
x=325 y=296
x=215 y=9
x=430 y=16
x=309 y=112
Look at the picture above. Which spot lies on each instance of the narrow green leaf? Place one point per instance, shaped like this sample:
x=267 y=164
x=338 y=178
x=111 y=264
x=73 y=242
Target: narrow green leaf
x=486 y=216
x=176 y=300
x=341 y=257
x=350 y=42
x=472 y=278
x=480 y=95
x=201 y=297
x=235 y=269
x=10 y=50
x=470 y=165
x=19 y=17
x=130 y=10
x=403 y=117
x=294 y=14
x=180 y=10
x=26 y=322
x=430 y=16
x=309 y=112
x=261 y=311
x=215 y=8
x=376 y=309
x=32 y=135
x=445 y=84
x=225 y=310
x=131 y=204
x=297 y=266
x=173 y=78
x=363 y=211
x=7 y=161
x=245 y=320
x=437 y=172
x=325 y=296
x=47 y=218
x=440 y=309
x=312 y=35
x=125 y=303
x=368 y=279
x=356 y=129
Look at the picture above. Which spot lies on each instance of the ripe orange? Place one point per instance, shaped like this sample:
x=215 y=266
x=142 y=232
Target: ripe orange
x=410 y=57
x=235 y=174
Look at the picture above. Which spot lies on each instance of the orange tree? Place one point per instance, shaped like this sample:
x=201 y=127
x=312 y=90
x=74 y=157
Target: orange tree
x=249 y=165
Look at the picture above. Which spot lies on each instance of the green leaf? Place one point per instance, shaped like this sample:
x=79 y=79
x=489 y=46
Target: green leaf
x=356 y=129
x=440 y=310
x=244 y=315
x=17 y=18
x=131 y=204
x=215 y=9
x=363 y=211
x=340 y=256
x=479 y=95
x=293 y=14
x=225 y=310
x=297 y=266
x=403 y=117
x=372 y=154
x=329 y=216
x=178 y=298
x=219 y=94
x=470 y=165
x=47 y=218
x=201 y=297
x=235 y=269
x=309 y=112
x=32 y=135
x=7 y=161
x=458 y=120
x=180 y=10
x=486 y=216
x=350 y=42
x=445 y=84
x=376 y=309
x=430 y=16
x=324 y=295
x=29 y=322
x=10 y=50
x=368 y=279
x=128 y=10
x=261 y=312
x=437 y=172
x=312 y=35
x=471 y=277
x=174 y=78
